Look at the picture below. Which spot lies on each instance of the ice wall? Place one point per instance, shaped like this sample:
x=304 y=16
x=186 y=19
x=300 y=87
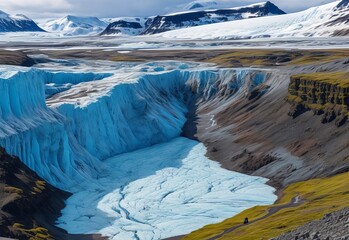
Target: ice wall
x=57 y=82
x=95 y=120
x=38 y=134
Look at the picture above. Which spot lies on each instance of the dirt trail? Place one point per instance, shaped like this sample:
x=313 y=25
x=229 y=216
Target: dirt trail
x=296 y=201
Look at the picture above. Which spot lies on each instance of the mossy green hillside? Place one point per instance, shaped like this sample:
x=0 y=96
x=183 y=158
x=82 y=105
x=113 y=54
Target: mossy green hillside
x=319 y=197
x=323 y=92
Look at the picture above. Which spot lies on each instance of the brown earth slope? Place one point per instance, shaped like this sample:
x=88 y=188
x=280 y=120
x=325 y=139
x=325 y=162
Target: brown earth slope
x=15 y=58
x=29 y=206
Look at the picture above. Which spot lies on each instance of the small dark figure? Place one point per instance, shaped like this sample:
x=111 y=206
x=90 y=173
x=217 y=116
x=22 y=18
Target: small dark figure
x=246 y=221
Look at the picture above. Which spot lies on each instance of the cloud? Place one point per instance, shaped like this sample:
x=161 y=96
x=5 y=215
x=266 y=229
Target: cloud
x=36 y=8
x=114 y=8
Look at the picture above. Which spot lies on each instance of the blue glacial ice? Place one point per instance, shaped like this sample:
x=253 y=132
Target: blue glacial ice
x=112 y=139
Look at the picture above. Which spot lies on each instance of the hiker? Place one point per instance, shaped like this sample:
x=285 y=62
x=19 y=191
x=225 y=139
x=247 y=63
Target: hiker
x=246 y=221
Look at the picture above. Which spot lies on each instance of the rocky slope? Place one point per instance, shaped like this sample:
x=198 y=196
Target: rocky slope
x=256 y=135
x=29 y=206
x=324 y=93
x=15 y=58
x=126 y=26
x=332 y=226
x=17 y=23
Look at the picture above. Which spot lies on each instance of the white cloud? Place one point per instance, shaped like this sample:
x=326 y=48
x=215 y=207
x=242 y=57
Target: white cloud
x=36 y=8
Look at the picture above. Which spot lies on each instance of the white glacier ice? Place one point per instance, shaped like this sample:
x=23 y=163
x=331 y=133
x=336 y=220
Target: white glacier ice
x=169 y=189
x=74 y=139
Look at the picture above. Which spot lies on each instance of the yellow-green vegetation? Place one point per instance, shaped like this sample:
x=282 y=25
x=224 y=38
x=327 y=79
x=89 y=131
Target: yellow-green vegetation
x=34 y=233
x=322 y=92
x=125 y=58
x=340 y=79
x=313 y=56
x=272 y=57
x=253 y=57
x=18 y=225
x=319 y=197
x=230 y=58
x=39 y=187
x=9 y=189
x=37 y=190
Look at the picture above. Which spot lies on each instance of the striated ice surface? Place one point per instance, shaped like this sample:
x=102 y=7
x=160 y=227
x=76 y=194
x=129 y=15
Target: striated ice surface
x=169 y=189
x=112 y=139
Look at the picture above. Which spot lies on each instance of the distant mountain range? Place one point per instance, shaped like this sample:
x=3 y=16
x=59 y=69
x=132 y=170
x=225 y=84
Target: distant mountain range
x=17 y=23
x=200 y=20
x=163 y=23
x=327 y=20
x=197 y=18
x=194 y=15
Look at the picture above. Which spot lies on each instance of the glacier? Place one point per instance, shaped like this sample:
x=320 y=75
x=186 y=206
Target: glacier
x=166 y=190
x=322 y=21
x=104 y=136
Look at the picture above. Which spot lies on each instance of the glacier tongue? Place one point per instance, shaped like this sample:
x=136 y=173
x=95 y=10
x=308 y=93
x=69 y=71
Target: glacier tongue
x=166 y=190
x=80 y=139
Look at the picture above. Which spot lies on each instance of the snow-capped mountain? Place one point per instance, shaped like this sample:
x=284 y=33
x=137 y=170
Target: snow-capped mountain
x=126 y=25
x=195 y=17
x=17 y=23
x=201 y=4
x=75 y=25
x=327 y=20
x=198 y=18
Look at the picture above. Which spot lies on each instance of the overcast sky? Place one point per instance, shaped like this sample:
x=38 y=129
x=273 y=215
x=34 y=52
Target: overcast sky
x=114 y=8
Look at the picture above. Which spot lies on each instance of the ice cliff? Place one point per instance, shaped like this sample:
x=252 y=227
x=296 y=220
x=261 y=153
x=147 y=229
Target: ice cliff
x=101 y=115
x=112 y=140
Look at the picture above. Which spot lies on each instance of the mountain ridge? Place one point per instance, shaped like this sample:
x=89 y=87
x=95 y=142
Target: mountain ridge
x=173 y=21
x=71 y=25
x=325 y=20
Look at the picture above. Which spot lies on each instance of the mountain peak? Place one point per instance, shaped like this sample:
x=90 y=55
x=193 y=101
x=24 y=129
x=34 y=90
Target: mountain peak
x=201 y=5
x=17 y=23
x=343 y=3
x=272 y=8
x=71 y=25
